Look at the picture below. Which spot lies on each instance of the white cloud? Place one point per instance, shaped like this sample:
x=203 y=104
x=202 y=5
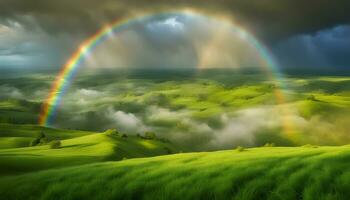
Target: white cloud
x=125 y=121
x=174 y=23
x=85 y=96
x=10 y=92
x=171 y=22
x=239 y=128
x=243 y=128
x=88 y=93
x=158 y=113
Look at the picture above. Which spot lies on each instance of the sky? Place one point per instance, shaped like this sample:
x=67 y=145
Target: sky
x=37 y=34
x=169 y=41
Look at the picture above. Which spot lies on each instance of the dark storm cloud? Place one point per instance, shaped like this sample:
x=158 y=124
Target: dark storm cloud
x=327 y=48
x=271 y=19
x=20 y=47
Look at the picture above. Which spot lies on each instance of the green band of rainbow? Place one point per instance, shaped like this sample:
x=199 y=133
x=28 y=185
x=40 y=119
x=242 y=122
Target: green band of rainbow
x=68 y=71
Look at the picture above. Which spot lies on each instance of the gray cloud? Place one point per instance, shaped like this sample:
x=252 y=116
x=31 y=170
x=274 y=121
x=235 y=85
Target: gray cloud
x=325 y=49
x=34 y=48
x=176 y=41
x=52 y=30
x=271 y=19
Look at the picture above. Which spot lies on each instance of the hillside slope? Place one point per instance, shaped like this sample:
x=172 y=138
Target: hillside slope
x=18 y=135
x=77 y=148
x=259 y=173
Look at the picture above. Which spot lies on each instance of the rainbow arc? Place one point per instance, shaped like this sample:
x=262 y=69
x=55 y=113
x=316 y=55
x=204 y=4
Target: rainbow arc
x=70 y=69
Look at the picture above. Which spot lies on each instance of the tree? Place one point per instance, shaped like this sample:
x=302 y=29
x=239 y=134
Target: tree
x=40 y=139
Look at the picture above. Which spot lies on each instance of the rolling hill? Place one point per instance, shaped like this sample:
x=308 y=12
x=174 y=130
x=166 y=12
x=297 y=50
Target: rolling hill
x=77 y=147
x=99 y=164
x=307 y=172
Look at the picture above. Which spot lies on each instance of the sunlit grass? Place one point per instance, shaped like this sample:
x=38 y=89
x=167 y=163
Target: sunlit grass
x=77 y=147
x=269 y=172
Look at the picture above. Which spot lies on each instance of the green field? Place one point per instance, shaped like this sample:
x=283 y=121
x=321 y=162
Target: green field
x=78 y=147
x=199 y=136
x=195 y=110
x=308 y=172
x=175 y=100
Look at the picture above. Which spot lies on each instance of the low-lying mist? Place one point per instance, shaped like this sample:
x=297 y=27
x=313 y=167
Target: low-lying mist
x=206 y=110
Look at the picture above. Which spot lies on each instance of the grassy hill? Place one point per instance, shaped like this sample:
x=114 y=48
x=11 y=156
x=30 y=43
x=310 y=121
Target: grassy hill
x=16 y=135
x=192 y=112
x=307 y=172
x=77 y=147
x=18 y=111
x=188 y=109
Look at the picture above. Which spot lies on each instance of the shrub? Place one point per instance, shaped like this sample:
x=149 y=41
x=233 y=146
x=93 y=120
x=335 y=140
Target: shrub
x=55 y=144
x=41 y=135
x=43 y=140
x=112 y=132
x=168 y=150
x=150 y=135
x=269 y=145
x=310 y=146
x=240 y=148
x=158 y=99
x=124 y=135
x=224 y=104
x=311 y=98
x=35 y=142
x=202 y=97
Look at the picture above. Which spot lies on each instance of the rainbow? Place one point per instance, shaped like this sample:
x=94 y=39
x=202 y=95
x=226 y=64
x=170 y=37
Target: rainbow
x=69 y=70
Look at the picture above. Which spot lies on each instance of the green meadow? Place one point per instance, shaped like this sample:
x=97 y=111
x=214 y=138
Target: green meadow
x=77 y=147
x=212 y=134
x=307 y=172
